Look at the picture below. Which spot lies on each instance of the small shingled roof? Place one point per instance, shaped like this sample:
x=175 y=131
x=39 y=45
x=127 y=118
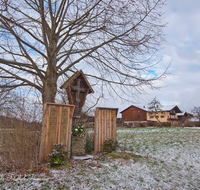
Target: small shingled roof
x=73 y=77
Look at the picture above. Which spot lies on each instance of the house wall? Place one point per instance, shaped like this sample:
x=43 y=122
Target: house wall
x=163 y=116
x=134 y=114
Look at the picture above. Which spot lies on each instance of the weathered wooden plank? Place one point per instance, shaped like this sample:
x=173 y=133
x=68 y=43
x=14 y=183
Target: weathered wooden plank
x=46 y=132
x=96 y=120
x=70 y=115
x=52 y=129
x=64 y=125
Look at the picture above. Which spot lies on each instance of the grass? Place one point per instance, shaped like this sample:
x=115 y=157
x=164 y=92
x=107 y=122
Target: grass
x=147 y=158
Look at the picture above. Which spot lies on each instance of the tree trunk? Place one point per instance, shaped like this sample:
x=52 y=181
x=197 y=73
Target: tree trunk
x=50 y=89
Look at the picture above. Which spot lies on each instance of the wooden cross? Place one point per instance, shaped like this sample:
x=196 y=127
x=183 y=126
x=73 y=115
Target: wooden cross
x=78 y=89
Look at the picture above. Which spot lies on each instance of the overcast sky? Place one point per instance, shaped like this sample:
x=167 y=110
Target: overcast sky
x=182 y=49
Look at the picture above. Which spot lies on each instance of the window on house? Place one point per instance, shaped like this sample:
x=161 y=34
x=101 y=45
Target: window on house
x=157 y=116
x=138 y=116
x=142 y=116
x=133 y=111
x=151 y=117
x=161 y=112
x=138 y=111
x=162 y=116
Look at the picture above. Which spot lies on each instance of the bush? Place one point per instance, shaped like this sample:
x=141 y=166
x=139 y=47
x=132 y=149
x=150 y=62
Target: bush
x=58 y=155
x=89 y=144
x=110 y=145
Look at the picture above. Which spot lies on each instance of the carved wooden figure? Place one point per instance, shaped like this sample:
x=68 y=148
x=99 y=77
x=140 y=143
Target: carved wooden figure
x=77 y=88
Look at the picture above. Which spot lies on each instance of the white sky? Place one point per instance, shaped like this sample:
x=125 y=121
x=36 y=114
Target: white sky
x=182 y=49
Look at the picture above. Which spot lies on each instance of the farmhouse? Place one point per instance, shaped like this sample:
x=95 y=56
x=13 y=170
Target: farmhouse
x=134 y=113
x=167 y=113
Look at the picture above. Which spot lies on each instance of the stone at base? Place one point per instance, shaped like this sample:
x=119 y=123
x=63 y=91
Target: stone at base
x=85 y=157
x=78 y=145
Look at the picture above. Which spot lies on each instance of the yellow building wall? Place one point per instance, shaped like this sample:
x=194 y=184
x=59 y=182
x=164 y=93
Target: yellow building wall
x=159 y=114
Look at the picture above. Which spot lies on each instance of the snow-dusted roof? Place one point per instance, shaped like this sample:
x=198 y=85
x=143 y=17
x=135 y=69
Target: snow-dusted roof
x=167 y=107
x=180 y=114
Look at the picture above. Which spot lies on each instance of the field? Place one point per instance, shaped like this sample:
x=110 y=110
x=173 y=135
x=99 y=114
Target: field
x=147 y=158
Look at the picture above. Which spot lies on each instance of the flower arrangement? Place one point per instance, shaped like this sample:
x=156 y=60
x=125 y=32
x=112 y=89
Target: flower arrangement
x=78 y=130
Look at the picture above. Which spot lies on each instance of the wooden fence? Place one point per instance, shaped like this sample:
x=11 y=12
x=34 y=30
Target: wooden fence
x=104 y=127
x=57 y=125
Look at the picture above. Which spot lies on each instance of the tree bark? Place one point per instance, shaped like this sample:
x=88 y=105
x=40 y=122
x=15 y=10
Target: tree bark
x=50 y=87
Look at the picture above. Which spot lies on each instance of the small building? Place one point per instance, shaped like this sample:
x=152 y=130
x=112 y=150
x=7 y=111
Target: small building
x=167 y=113
x=134 y=113
x=184 y=116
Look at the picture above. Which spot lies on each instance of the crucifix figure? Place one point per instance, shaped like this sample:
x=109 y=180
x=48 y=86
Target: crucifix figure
x=78 y=89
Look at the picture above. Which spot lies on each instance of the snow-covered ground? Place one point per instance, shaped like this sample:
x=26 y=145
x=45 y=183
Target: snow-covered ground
x=153 y=158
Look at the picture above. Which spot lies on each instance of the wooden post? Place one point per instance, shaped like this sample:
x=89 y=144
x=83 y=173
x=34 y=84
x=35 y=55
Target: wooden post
x=105 y=127
x=56 y=128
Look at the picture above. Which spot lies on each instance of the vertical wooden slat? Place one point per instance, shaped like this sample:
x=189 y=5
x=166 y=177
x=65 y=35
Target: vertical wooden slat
x=105 y=126
x=64 y=123
x=52 y=129
x=114 y=125
x=96 y=131
x=69 y=129
x=46 y=132
x=59 y=112
x=99 y=129
x=102 y=128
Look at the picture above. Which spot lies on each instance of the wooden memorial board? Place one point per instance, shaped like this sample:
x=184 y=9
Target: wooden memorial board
x=105 y=127
x=56 y=129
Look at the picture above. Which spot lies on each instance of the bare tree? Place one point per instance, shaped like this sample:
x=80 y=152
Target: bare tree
x=44 y=42
x=155 y=106
x=196 y=112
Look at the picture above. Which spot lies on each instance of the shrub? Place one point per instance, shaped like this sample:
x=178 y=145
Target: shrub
x=89 y=144
x=58 y=155
x=110 y=145
x=141 y=124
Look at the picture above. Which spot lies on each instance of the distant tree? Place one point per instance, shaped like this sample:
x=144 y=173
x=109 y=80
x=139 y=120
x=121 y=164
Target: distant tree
x=196 y=112
x=42 y=43
x=154 y=106
x=14 y=104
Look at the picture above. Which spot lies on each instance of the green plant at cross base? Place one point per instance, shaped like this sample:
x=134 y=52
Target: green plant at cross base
x=58 y=155
x=89 y=144
x=110 y=145
x=78 y=129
